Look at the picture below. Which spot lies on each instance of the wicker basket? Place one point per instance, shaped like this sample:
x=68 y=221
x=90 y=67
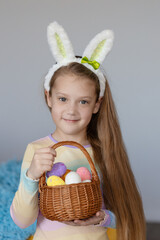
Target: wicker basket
x=73 y=201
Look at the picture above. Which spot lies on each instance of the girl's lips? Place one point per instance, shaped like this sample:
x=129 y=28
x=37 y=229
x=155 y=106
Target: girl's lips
x=69 y=120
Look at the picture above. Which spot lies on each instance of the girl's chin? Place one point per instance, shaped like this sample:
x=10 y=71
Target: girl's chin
x=70 y=133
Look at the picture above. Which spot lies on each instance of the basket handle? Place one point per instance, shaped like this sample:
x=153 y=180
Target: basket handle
x=42 y=181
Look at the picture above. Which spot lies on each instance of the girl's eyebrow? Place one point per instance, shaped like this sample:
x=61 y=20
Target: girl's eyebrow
x=60 y=93
x=85 y=97
x=80 y=97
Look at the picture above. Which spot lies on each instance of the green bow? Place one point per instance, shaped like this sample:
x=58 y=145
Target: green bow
x=94 y=64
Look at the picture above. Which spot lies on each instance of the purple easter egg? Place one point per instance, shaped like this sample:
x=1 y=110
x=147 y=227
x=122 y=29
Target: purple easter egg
x=58 y=169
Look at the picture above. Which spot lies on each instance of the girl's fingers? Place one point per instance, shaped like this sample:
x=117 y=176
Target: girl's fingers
x=71 y=223
x=100 y=214
x=42 y=161
x=47 y=162
x=46 y=150
x=44 y=156
x=96 y=219
x=45 y=168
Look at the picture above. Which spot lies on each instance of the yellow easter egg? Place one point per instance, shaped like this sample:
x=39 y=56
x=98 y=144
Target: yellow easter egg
x=54 y=181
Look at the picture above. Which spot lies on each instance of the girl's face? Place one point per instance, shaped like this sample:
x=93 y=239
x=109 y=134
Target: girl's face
x=72 y=103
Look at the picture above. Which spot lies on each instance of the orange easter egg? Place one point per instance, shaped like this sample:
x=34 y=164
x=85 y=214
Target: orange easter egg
x=67 y=171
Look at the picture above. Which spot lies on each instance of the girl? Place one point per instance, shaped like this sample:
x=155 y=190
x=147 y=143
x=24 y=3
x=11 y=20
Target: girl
x=82 y=108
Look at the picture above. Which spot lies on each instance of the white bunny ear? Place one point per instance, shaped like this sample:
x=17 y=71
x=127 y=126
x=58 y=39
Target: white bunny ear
x=59 y=42
x=99 y=46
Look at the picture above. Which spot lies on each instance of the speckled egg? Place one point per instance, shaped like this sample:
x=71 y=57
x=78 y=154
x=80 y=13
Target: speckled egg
x=58 y=169
x=72 y=177
x=84 y=173
x=54 y=181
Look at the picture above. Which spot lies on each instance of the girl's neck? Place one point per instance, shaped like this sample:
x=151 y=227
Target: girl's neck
x=80 y=139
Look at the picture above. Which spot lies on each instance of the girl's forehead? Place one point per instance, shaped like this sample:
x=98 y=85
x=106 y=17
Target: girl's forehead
x=75 y=85
x=73 y=80
x=72 y=77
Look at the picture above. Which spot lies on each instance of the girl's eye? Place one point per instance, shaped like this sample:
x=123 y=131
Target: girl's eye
x=83 y=102
x=62 y=99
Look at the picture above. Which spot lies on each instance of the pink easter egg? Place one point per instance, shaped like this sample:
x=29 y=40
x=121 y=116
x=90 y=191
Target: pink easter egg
x=84 y=173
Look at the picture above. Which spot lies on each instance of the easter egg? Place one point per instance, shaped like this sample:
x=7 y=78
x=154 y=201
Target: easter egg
x=67 y=171
x=54 y=181
x=72 y=177
x=86 y=180
x=84 y=173
x=58 y=169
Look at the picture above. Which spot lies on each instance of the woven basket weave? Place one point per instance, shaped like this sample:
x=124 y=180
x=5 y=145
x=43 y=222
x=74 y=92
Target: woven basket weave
x=72 y=201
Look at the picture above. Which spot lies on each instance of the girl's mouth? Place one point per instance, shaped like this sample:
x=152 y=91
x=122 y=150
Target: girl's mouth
x=70 y=120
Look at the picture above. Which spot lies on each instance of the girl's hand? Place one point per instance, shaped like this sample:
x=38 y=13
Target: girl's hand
x=42 y=161
x=96 y=219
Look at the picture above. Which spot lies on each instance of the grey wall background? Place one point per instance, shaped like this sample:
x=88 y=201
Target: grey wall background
x=132 y=69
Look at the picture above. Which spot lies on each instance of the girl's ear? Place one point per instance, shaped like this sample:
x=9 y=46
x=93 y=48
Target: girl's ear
x=48 y=98
x=97 y=105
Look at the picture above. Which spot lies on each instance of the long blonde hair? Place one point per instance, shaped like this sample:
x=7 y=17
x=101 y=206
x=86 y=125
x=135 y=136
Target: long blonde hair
x=119 y=186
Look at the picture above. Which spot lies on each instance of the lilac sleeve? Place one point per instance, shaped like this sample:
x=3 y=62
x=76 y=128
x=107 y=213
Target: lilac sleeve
x=109 y=219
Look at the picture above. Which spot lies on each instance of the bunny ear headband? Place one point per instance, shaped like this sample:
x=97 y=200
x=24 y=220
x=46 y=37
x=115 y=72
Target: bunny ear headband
x=63 y=53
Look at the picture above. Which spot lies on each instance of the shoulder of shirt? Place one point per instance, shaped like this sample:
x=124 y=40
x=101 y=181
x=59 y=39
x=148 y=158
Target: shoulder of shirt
x=46 y=142
x=40 y=143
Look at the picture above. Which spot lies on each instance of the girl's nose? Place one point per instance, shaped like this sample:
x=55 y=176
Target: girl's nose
x=71 y=108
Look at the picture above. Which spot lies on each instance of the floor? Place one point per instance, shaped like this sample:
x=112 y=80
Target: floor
x=153 y=231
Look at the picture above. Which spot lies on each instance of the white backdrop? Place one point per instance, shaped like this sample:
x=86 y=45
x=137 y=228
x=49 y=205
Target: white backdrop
x=132 y=68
